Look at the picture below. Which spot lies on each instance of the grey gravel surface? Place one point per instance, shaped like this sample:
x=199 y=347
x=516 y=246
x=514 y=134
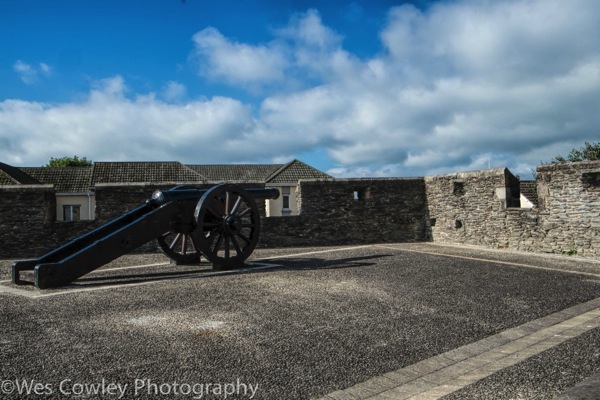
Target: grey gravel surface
x=543 y=260
x=541 y=377
x=589 y=389
x=316 y=324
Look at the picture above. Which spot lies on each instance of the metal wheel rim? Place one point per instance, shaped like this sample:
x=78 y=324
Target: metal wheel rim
x=228 y=225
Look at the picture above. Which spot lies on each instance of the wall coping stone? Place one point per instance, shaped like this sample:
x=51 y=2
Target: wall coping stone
x=569 y=165
x=469 y=174
x=144 y=184
x=27 y=187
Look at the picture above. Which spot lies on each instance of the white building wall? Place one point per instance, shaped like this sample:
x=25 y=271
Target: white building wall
x=85 y=201
x=274 y=208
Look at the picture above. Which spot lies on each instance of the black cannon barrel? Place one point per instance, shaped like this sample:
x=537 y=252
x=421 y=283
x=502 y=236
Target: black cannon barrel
x=160 y=197
x=165 y=211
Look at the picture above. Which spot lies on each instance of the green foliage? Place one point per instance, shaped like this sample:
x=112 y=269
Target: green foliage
x=68 y=162
x=569 y=252
x=591 y=151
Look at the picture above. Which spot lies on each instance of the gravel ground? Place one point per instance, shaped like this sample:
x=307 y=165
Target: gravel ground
x=544 y=260
x=316 y=324
x=543 y=376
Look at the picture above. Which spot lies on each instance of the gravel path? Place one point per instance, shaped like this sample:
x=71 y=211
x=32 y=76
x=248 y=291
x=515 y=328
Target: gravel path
x=319 y=323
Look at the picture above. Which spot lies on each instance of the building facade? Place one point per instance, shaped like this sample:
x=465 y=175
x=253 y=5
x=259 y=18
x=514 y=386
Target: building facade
x=75 y=187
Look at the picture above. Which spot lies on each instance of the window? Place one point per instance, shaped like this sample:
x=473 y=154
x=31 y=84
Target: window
x=71 y=213
x=285 y=197
x=363 y=194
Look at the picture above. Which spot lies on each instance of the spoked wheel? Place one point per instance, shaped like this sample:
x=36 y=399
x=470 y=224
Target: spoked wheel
x=177 y=244
x=228 y=226
x=179 y=247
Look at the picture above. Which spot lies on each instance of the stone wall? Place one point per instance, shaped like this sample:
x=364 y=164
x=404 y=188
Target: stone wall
x=25 y=211
x=478 y=208
x=474 y=208
x=33 y=230
x=347 y=211
x=470 y=207
x=569 y=212
x=28 y=226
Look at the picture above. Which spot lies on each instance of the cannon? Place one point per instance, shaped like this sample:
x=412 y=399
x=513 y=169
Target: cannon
x=221 y=224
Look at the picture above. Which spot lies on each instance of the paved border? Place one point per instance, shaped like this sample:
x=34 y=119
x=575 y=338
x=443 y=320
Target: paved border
x=446 y=373
x=488 y=260
x=588 y=389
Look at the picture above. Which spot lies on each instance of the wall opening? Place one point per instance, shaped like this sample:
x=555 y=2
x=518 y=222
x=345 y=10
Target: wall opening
x=363 y=194
x=458 y=188
x=591 y=180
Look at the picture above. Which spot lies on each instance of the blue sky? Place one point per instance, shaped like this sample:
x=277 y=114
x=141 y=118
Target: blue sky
x=355 y=88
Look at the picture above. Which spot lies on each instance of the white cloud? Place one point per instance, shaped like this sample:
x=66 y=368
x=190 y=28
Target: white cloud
x=45 y=69
x=237 y=63
x=307 y=30
x=459 y=82
x=110 y=126
x=174 y=91
x=26 y=72
x=29 y=74
x=305 y=47
x=464 y=85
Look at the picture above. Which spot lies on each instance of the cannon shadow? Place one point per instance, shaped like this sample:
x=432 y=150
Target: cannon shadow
x=204 y=270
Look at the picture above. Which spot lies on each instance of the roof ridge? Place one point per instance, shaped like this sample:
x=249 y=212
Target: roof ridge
x=17 y=175
x=299 y=170
x=144 y=171
x=194 y=172
x=279 y=170
x=9 y=177
x=229 y=165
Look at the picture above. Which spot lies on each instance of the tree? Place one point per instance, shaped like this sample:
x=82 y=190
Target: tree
x=589 y=152
x=68 y=162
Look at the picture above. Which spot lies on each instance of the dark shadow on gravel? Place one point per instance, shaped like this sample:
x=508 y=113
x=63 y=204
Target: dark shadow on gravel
x=135 y=278
x=287 y=264
x=320 y=263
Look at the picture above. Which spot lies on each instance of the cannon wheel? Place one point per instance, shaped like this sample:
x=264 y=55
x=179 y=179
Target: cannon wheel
x=179 y=247
x=228 y=226
x=177 y=243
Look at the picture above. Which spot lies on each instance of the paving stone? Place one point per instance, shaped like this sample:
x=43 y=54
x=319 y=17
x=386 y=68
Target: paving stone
x=402 y=376
x=377 y=384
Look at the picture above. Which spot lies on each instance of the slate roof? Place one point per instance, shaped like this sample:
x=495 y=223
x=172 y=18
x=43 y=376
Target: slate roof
x=83 y=179
x=529 y=190
x=291 y=172
x=64 y=179
x=6 y=179
x=294 y=171
x=152 y=172
x=10 y=175
x=237 y=172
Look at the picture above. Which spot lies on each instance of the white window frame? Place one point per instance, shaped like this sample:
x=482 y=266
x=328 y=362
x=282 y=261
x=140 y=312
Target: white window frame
x=69 y=213
x=285 y=198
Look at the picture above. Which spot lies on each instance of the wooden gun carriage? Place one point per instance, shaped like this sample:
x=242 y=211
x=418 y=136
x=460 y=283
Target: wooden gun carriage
x=222 y=224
